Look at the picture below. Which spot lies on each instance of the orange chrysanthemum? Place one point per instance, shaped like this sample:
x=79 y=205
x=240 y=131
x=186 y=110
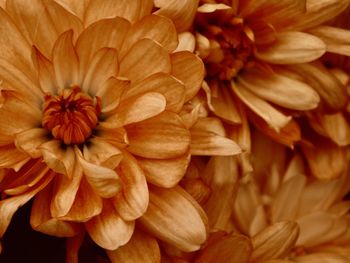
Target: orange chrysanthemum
x=93 y=124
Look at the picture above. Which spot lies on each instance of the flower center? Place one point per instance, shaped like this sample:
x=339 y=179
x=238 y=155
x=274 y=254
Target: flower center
x=231 y=43
x=71 y=116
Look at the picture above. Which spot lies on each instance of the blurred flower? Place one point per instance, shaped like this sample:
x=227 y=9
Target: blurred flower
x=312 y=215
x=91 y=107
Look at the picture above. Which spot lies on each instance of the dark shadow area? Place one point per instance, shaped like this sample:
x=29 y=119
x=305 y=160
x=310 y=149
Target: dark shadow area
x=22 y=244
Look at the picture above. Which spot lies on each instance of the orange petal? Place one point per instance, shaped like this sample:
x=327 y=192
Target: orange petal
x=12 y=118
x=137 y=109
x=294 y=186
x=188 y=68
x=110 y=93
x=144 y=58
x=331 y=90
x=73 y=245
x=108 y=229
x=29 y=141
x=157 y=28
x=206 y=140
x=181 y=13
x=65 y=191
x=102 y=66
x=163 y=136
x=58 y=159
x=221 y=175
x=171 y=88
x=100 y=152
x=46 y=72
x=34 y=22
x=174 y=217
x=187 y=42
x=273 y=117
x=326 y=160
x=286 y=92
x=140 y=248
x=233 y=248
x=104 y=33
x=293 y=48
x=10 y=205
x=164 y=173
x=15 y=48
x=132 y=201
x=275 y=241
x=221 y=102
x=87 y=204
x=11 y=157
x=210 y=8
x=41 y=220
x=319 y=12
x=131 y=11
x=104 y=181
x=65 y=61
x=16 y=183
x=337 y=39
x=279 y=14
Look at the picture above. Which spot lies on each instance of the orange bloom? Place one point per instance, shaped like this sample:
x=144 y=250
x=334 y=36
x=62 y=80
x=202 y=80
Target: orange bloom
x=92 y=123
x=262 y=54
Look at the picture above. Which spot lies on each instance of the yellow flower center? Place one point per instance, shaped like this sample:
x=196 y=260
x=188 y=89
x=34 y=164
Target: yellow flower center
x=231 y=43
x=71 y=116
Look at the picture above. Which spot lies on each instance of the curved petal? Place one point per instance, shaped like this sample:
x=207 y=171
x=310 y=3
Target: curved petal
x=132 y=201
x=41 y=220
x=208 y=138
x=286 y=92
x=87 y=204
x=273 y=117
x=103 y=65
x=30 y=140
x=140 y=248
x=332 y=92
x=144 y=58
x=100 y=152
x=46 y=74
x=165 y=173
x=131 y=10
x=171 y=88
x=160 y=137
x=41 y=22
x=233 y=248
x=108 y=229
x=157 y=28
x=136 y=109
x=108 y=33
x=16 y=115
x=14 y=47
x=275 y=241
x=174 y=217
x=65 y=61
x=110 y=93
x=181 y=13
x=11 y=157
x=337 y=39
x=319 y=12
x=293 y=48
x=57 y=158
x=188 y=68
x=105 y=181
x=10 y=205
x=65 y=190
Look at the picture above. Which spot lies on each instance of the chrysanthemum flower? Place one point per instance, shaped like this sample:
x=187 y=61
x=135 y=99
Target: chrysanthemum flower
x=92 y=124
x=291 y=216
x=261 y=54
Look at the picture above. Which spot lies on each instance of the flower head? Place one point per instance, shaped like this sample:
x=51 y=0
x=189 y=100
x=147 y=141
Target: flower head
x=92 y=122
